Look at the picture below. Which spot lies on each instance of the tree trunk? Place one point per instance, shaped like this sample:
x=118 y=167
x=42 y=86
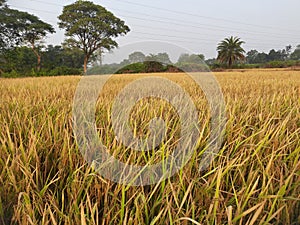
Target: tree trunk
x=38 y=67
x=86 y=60
x=100 y=57
x=230 y=63
x=38 y=62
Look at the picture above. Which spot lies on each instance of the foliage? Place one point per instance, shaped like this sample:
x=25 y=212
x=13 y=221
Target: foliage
x=296 y=54
x=163 y=58
x=62 y=56
x=192 y=67
x=55 y=60
x=63 y=70
x=2 y=3
x=18 y=28
x=281 y=64
x=91 y=27
x=10 y=27
x=136 y=57
x=193 y=58
x=253 y=56
x=34 y=31
x=138 y=67
x=230 y=50
x=103 y=69
x=154 y=67
x=19 y=59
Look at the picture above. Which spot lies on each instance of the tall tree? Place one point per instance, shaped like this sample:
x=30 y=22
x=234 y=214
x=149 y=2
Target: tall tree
x=230 y=50
x=91 y=27
x=9 y=27
x=34 y=32
x=17 y=28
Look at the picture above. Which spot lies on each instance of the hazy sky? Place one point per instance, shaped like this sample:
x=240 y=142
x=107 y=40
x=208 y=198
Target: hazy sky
x=192 y=24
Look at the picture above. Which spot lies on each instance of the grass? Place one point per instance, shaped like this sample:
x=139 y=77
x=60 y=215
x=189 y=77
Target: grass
x=254 y=179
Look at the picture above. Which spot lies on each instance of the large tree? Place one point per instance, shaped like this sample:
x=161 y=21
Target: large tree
x=230 y=50
x=35 y=30
x=19 y=28
x=91 y=27
x=9 y=27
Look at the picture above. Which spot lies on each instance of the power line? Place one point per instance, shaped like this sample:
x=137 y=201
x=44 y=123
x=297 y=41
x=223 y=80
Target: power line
x=182 y=23
x=37 y=10
x=160 y=21
x=199 y=16
x=181 y=31
x=47 y=3
x=174 y=36
x=198 y=27
x=180 y=12
x=175 y=39
x=201 y=25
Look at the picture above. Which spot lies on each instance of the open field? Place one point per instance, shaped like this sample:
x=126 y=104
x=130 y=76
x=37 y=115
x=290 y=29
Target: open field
x=255 y=179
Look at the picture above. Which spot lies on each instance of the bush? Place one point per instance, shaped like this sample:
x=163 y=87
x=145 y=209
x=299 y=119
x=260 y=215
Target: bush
x=154 y=67
x=11 y=74
x=133 y=68
x=104 y=69
x=58 y=71
x=173 y=69
x=276 y=64
x=193 y=67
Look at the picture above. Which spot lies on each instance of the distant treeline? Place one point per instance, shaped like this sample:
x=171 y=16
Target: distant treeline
x=61 y=60
x=137 y=62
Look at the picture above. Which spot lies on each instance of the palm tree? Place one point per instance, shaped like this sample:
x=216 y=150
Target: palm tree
x=230 y=50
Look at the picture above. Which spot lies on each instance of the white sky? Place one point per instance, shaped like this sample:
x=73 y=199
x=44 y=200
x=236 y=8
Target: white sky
x=196 y=25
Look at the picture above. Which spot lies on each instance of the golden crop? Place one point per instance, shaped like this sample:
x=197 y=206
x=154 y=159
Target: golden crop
x=254 y=179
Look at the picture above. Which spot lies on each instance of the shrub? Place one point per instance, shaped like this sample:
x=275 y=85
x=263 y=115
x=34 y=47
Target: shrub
x=154 y=67
x=193 y=67
x=64 y=71
x=133 y=68
x=276 y=64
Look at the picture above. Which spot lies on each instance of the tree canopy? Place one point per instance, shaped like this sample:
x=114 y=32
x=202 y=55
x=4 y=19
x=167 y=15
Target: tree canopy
x=136 y=57
x=193 y=58
x=296 y=54
x=19 y=28
x=254 y=57
x=160 y=57
x=230 y=50
x=34 y=31
x=91 y=27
